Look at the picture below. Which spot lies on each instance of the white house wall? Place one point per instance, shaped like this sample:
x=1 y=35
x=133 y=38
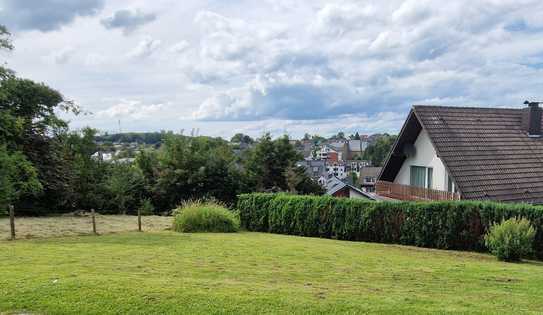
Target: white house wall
x=425 y=155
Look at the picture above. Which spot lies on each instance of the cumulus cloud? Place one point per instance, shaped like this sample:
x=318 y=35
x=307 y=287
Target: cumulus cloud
x=179 y=47
x=308 y=63
x=279 y=96
x=45 y=15
x=94 y=59
x=128 y=20
x=131 y=109
x=358 y=57
x=335 y=19
x=63 y=55
x=145 y=48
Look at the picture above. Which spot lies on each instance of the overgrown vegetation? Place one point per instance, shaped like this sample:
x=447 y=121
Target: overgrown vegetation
x=511 y=239
x=447 y=225
x=80 y=224
x=205 y=216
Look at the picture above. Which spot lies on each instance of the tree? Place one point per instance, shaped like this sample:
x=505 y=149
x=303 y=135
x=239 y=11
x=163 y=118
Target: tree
x=29 y=125
x=299 y=182
x=192 y=168
x=88 y=174
x=356 y=136
x=268 y=162
x=317 y=139
x=5 y=40
x=125 y=185
x=378 y=151
x=241 y=138
x=5 y=44
x=18 y=177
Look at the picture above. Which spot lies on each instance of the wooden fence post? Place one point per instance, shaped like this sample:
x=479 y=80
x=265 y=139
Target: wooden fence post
x=139 y=220
x=12 y=221
x=93 y=215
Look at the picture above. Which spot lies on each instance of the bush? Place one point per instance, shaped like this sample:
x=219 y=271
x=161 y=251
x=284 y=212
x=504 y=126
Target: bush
x=201 y=216
x=459 y=225
x=146 y=207
x=511 y=240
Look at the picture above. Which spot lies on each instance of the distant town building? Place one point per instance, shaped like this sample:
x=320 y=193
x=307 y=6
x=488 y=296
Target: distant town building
x=316 y=169
x=336 y=169
x=368 y=178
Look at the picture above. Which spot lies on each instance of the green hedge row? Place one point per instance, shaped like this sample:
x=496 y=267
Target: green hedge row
x=447 y=225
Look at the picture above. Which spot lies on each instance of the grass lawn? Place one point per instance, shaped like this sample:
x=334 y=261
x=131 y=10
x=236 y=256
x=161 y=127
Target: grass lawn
x=167 y=272
x=69 y=225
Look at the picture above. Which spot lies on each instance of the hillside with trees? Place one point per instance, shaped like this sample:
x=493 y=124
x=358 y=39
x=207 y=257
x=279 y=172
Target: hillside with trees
x=47 y=168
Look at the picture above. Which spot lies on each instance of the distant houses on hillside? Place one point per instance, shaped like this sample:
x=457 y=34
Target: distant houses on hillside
x=333 y=161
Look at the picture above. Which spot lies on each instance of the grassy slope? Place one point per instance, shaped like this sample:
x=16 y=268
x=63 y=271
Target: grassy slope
x=254 y=273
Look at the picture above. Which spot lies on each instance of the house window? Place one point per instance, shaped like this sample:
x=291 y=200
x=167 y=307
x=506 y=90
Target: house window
x=450 y=184
x=421 y=176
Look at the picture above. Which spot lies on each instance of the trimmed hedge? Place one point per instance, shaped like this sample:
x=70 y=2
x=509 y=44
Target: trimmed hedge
x=457 y=225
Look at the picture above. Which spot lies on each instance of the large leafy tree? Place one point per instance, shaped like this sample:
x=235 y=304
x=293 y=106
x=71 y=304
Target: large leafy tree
x=125 y=185
x=18 y=177
x=5 y=44
x=190 y=168
x=378 y=151
x=267 y=163
x=299 y=182
x=87 y=174
x=29 y=125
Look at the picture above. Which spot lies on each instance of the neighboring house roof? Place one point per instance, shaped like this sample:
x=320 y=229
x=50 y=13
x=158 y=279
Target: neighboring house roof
x=310 y=166
x=370 y=171
x=335 y=184
x=486 y=151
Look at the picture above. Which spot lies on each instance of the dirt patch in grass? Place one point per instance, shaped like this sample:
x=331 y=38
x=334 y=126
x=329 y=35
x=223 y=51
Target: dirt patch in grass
x=70 y=225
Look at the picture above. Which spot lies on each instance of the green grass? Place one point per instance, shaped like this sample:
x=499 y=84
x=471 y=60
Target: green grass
x=167 y=273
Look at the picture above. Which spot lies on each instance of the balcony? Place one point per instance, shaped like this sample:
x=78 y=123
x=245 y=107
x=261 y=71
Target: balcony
x=412 y=193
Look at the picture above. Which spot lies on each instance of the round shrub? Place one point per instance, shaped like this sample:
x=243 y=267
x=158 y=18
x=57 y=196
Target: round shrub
x=511 y=240
x=205 y=217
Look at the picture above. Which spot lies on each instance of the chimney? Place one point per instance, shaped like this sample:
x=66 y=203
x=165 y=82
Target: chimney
x=531 y=119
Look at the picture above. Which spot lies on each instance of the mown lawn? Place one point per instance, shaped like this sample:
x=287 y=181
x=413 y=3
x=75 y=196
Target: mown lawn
x=166 y=273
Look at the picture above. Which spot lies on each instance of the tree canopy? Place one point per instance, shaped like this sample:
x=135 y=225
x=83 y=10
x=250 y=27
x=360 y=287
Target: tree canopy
x=378 y=151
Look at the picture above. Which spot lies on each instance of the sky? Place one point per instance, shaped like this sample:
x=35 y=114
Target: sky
x=279 y=66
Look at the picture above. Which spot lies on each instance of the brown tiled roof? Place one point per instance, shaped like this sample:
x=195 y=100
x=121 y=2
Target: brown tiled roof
x=486 y=151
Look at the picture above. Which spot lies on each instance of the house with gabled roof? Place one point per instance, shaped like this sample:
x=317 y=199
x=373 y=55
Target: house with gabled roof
x=337 y=188
x=470 y=153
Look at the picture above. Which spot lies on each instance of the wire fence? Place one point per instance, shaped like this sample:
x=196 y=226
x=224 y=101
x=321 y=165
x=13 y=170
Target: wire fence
x=81 y=223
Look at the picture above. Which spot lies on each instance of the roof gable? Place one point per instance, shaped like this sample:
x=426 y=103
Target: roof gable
x=485 y=150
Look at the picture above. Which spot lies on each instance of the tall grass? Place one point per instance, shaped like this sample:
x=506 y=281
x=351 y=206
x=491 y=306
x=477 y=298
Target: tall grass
x=205 y=216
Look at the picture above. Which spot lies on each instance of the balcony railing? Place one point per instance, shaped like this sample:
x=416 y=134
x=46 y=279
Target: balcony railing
x=405 y=192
